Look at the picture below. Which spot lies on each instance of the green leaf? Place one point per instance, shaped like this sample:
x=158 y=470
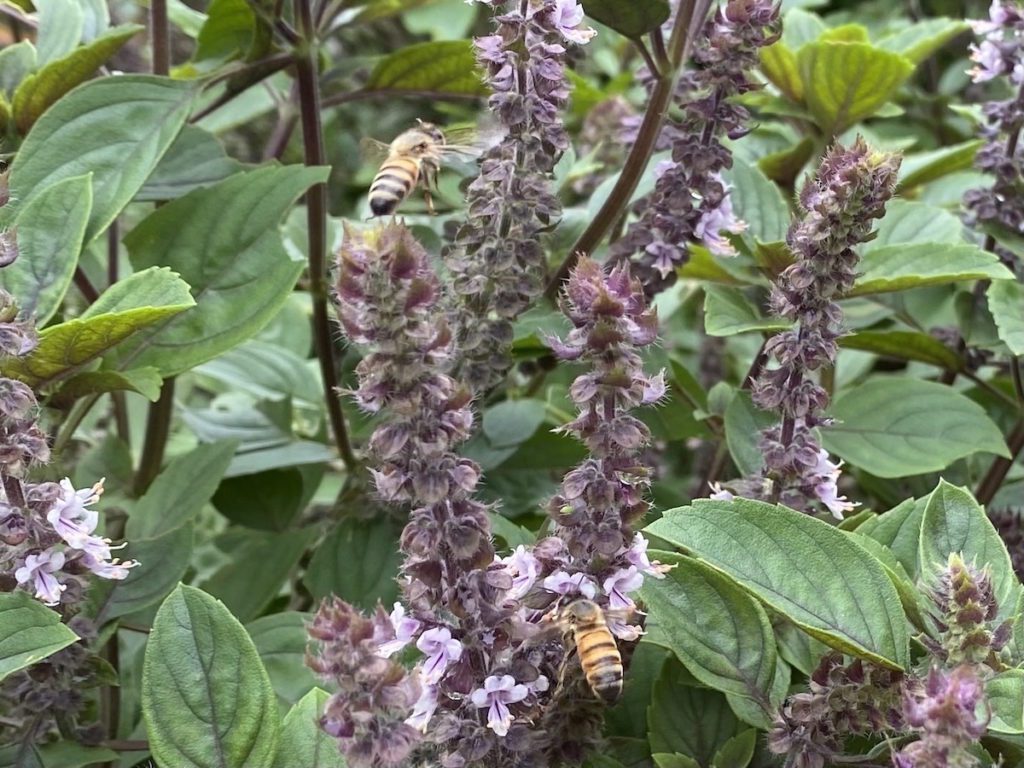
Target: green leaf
x=924 y=167
x=899 y=267
x=845 y=82
x=358 y=561
x=17 y=62
x=758 y=202
x=899 y=530
x=70 y=754
x=904 y=345
x=633 y=19
x=912 y=222
x=728 y=312
x=281 y=641
x=206 y=699
x=61 y=23
x=920 y=39
x=1006 y=302
x=304 y=744
x=800 y=27
x=896 y=427
x=96 y=19
x=31 y=632
x=270 y=500
x=180 y=491
x=955 y=523
x=144 y=381
x=195 y=159
x=665 y=760
x=163 y=561
x=260 y=564
x=743 y=424
x=227 y=32
x=910 y=596
x=512 y=422
x=803 y=568
x=51 y=229
x=39 y=91
x=153 y=287
x=731 y=648
x=225 y=241
x=689 y=721
x=445 y=66
x=117 y=128
x=1005 y=694
x=778 y=63
x=267 y=372
x=65 y=348
x=738 y=751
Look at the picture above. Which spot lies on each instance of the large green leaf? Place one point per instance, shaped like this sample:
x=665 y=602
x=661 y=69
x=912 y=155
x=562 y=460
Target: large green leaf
x=117 y=128
x=899 y=267
x=758 y=202
x=63 y=349
x=923 y=167
x=633 y=19
x=40 y=90
x=743 y=424
x=731 y=648
x=1006 y=302
x=227 y=32
x=899 y=530
x=908 y=221
x=1005 y=695
x=30 y=632
x=920 y=39
x=224 y=240
x=845 y=82
x=195 y=159
x=904 y=345
x=144 y=381
x=304 y=744
x=728 y=312
x=512 y=422
x=281 y=641
x=803 y=568
x=896 y=427
x=61 y=23
x=955 y=523
x=17 y=62
x=51 y=229
x=445 y=66
x=206 y=698
x=358 y=561
x=267 y=372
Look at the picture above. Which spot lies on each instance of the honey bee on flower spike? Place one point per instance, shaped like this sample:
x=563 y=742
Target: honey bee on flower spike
x=415 y=157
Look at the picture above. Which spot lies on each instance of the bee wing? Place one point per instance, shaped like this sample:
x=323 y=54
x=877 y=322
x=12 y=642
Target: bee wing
x=373 y=152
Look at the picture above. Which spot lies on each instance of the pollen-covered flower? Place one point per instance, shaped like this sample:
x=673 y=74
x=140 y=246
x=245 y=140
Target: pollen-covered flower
x=496 y=694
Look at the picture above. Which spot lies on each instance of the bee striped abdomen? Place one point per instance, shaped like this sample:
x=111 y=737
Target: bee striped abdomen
x=600 y=659
x=392 y=184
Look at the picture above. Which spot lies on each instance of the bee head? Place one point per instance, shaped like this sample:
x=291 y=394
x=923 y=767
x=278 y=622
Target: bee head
x=582 y=610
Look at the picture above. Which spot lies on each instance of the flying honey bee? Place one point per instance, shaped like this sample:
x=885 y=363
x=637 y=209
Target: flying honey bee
x=598 y=652
x=414 y=157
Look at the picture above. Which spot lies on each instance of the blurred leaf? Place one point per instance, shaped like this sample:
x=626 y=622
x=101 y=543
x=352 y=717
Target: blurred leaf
x=689 y=721
x=51 y=229
x=897 y=426
x=445 y=66
x=1005 y=695
x=919 y=40
x=1006 y=302
x=225 y=242
x=665 y=760
x=41 y=90
x=924 y=167
x=727 y=312
x=267 y=372
x=144 y=381
x=703 y=266
x=61 y=23
x=357 y=561
x=899 y=530
x=633 y=19
x=778 y=63
x=845 y=82
x=17 y=61
x=260 y=564
x=899 y=267
x=281 y=640
x=955 y=523
x=181 y=489
x=304 y=744
x=140 y=116
x=785 y=166
x=513 y=422
x=289 y=453
x=184 y=18
x=731 y=648
x=738 y=751
x=195 y=159
x=227 y=32
x=96 y=19
x=904 y=345
x=773 y=258
x=758 y=202
x=31 y=632
x=163 y=560
x=513 y=535
x=801 y=567
x=206 y=698
x=268 y=500
x=69 y=754
x=743 y=424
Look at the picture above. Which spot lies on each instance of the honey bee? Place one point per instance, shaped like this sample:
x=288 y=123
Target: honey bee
x=414 y=157
x=596 y=647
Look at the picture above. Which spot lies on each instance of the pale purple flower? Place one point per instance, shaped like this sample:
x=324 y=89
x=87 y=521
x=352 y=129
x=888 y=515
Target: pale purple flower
x=568 y=16
x=718 y=220
x=827 y=489
x=498 y=692
x=988 y=60
x=539 y=685
x=405 y=629
x=524 y=568
x=718 y=493
x=619 y=584
x=561 y=583
x=40 y=569
x=106 y=568
x=637 y=557
x=69 y=516
x=424 y=709
x=622 y=629
x=441 y=649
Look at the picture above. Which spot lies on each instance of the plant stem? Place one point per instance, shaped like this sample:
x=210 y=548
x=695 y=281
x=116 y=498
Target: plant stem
x=287 y=119
x=689 y=13
x=13 y=491
x=75 y=416
x=113 y=252
x=160 y=37
x=343 y=98
x=85 y=286
x=158 y=427
x=993 y=480
x=316 y=217
x=259 y=70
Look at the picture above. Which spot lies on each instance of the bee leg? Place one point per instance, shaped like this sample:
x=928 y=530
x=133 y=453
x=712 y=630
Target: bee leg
x=430 y=202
